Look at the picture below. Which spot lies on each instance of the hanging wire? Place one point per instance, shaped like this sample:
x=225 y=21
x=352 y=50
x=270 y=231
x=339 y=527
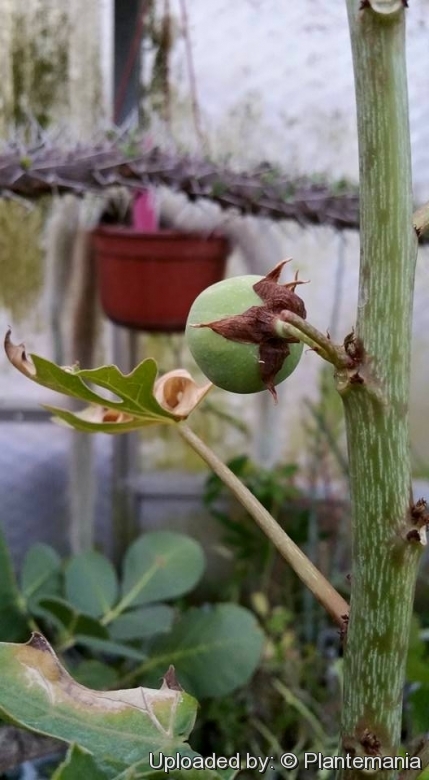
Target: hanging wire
x=192 y=77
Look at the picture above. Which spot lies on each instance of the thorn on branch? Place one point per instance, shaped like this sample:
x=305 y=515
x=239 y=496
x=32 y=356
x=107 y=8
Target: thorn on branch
x=371 y=743
x=344 y=627
x=419 y=513
x=354 y=348
x=414 y=536
x=419 y=520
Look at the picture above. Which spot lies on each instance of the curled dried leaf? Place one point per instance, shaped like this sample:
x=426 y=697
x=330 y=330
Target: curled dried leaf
x=178 y=393
x=17 y=355
x=102 y=414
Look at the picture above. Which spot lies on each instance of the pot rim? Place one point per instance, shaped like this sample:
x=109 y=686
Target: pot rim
x=162 y=235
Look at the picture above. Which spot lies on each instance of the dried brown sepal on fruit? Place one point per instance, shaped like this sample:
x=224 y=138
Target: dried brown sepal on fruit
x=278 y=297
x=256 y=325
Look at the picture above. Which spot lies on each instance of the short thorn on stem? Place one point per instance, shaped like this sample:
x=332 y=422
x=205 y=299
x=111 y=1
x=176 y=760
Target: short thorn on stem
x=418 y=521
x=290 y=325
x=421 y=220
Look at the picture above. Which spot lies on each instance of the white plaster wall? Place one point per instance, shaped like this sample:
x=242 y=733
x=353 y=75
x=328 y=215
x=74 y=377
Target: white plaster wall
x=86 y=96
x=275 y=83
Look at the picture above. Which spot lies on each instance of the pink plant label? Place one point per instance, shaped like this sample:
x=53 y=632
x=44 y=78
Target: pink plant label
x=145 y=217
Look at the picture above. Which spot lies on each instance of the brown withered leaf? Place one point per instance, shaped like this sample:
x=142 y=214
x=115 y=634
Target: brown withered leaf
x=17 y=355
x=102 y=414
x=257 y=324
x=178 y=393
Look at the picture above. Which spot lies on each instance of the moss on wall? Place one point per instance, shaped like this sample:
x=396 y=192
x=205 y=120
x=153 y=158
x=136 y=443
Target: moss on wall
x=39 y=55
x=21 y=261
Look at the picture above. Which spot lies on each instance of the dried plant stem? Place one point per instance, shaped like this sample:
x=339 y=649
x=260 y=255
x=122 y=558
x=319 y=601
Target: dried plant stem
x=323 y=591
x=423 y=755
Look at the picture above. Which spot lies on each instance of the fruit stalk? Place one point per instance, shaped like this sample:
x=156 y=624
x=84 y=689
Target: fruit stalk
x=291 y=325
x=323 y=591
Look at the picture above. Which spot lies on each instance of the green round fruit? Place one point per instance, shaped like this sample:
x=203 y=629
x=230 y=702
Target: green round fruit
x=228 y=364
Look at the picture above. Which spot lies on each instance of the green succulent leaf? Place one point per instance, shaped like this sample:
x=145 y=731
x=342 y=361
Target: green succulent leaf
x=120 y=727
x=214 y=650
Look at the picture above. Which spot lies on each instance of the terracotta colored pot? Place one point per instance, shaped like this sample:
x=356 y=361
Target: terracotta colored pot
x=149 y=281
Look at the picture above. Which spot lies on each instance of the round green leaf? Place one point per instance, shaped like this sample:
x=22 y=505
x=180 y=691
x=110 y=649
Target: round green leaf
x=105 y=646
x=214 y=650
x=90 y=583
x=41 y=572
x=64 y=615
x=142 y=623
x=13 y=621
x=95 y=674
x=160 y=565
x=79 y=763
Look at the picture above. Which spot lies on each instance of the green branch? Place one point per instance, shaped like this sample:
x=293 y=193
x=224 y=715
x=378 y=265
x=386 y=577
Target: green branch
x=384 y=564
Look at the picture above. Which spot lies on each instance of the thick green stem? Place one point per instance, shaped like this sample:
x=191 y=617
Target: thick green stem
x=384 y=562
x=304 y=568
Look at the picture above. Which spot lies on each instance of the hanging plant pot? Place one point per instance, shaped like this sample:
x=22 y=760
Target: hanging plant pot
x=148 y=281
